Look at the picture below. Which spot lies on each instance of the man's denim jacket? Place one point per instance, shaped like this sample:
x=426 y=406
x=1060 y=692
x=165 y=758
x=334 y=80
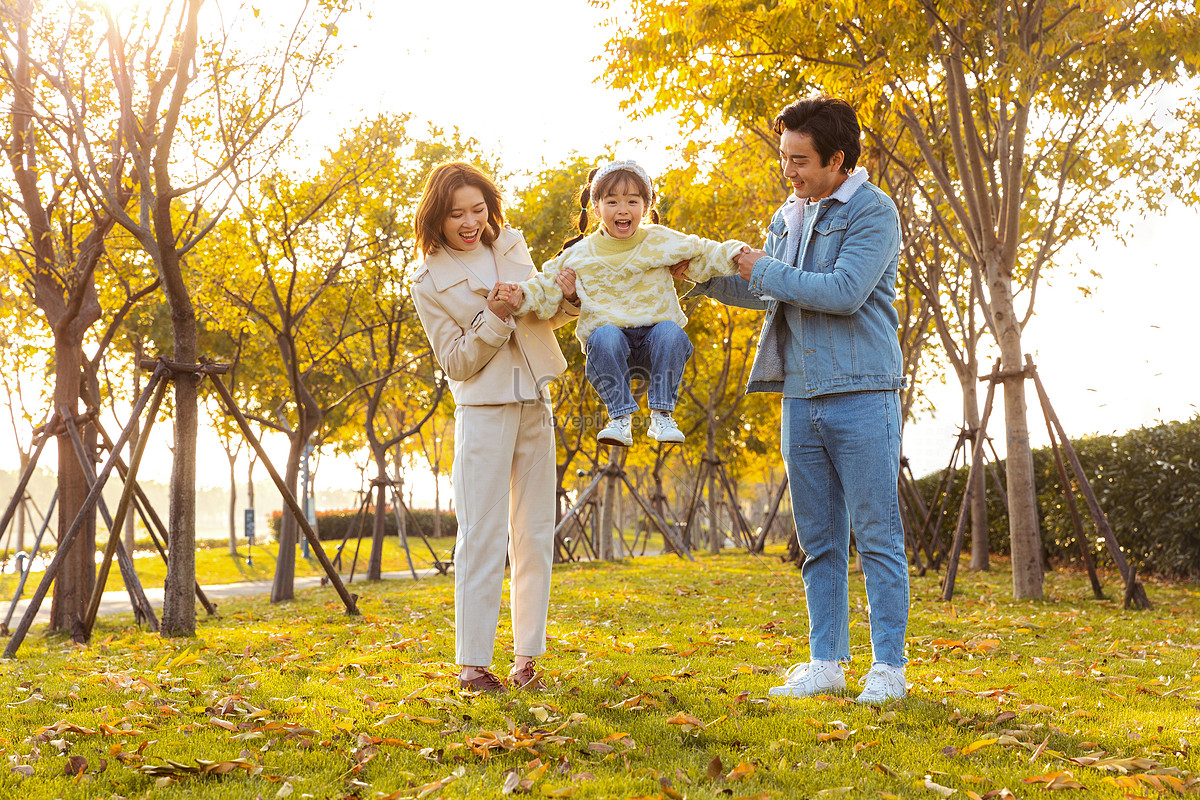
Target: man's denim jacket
x=838 y=307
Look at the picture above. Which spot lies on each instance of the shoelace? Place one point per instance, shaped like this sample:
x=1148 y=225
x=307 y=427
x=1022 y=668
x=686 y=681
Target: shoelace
x=524 y=675
x=484 y=682
x=797 y=673
x=876 y=680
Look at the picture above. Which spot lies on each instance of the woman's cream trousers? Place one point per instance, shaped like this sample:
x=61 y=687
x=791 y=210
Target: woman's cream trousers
x=504 y=483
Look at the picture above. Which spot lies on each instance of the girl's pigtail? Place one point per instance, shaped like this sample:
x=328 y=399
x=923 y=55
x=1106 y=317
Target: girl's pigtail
x=654 y=215
x=585 y=196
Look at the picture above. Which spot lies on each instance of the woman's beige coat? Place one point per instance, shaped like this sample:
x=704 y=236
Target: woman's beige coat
x=487 y=360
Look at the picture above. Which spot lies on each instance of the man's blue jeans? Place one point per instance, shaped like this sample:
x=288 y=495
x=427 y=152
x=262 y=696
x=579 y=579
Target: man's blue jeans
x=658 y=352
x=842 y=453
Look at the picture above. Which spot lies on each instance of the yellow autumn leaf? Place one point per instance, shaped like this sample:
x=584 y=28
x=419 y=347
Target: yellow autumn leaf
x=978 y=744
x=185 y=658
x=742 y=770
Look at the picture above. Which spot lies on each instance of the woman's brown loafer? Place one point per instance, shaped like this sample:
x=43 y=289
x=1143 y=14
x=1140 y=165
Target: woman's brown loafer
x=483 y=682
x=526 y=678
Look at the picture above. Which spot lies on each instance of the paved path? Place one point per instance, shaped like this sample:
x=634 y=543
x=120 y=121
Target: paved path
x=118 y=602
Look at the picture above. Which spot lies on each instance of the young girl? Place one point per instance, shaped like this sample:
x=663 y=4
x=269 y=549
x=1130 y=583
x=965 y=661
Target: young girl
x=504 y=458
x=629 y=312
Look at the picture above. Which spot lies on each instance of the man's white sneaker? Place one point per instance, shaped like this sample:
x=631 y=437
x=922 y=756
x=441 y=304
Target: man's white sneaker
x=663 y=428
x=806 y=680
x=618 y=432
x=883 y=684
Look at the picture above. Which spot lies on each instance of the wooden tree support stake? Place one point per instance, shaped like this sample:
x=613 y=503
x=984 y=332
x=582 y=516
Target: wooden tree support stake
x=114 y=532
x=137 y=595
x=23 y=482
x=150 y=519
x=89 y=502
x=772 y=513
x=976 y=456
x=213 y=373
x=1135 y=593
x=716 y=467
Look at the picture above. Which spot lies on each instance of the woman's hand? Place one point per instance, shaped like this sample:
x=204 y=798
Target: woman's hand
x=504 y=299
x=679 y=268
x=497 y=301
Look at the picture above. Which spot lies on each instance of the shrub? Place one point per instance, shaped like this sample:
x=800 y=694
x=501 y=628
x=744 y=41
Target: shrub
x=334 y=525
x=1147 y=481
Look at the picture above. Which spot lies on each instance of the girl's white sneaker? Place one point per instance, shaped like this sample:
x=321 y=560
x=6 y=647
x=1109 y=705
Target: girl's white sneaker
x=618 y=432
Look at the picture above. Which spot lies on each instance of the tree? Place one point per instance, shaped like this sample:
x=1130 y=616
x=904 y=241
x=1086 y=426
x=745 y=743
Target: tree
x=168 y=117
x=59 y=244
x=1038 y=102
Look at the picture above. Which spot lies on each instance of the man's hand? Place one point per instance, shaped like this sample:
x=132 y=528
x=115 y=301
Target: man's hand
x=746 y=259
x=679 y=268
x=566 y=281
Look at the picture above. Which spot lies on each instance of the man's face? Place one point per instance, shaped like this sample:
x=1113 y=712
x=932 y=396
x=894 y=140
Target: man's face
x=802 y=167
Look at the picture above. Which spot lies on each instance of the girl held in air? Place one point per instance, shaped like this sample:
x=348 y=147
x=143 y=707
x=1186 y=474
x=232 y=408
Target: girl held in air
x=629 y=313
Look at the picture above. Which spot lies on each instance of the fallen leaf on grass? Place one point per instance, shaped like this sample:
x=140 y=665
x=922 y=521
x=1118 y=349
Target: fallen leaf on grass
x=944 y=791
x=715 y=768
x=978 y=744
x=835 y=791
x=1112 y=764
x=742 y=770
x=1055 y=780
x=836 y=735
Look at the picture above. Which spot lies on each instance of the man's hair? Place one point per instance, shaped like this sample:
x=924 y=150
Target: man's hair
x=830 y=122
x=437 y=200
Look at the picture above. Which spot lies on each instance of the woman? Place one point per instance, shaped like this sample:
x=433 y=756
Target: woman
x=499 y=369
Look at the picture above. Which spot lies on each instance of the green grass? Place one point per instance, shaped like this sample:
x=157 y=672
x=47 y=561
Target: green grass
x=215 y=564
x=658 y=673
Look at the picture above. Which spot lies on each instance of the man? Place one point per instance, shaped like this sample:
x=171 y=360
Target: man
x=827 y=280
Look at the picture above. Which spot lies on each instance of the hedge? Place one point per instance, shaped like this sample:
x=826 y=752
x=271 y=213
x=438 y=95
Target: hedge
x=1148 y=483
x=334 y=524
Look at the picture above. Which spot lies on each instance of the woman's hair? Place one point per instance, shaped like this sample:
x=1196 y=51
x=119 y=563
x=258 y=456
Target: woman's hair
x=614 y=179
x=437 y=201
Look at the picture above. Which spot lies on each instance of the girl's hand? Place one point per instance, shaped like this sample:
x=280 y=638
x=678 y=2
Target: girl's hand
x=566 y=281
x=498 y=300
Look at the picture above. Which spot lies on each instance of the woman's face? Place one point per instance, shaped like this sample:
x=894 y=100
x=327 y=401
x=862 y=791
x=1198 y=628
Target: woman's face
x=463 y=228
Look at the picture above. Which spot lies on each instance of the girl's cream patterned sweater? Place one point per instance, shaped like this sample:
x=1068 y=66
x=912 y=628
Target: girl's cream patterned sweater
x=626 y=282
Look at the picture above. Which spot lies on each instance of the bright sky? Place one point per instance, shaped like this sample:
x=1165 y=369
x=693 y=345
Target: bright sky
x=521 y=76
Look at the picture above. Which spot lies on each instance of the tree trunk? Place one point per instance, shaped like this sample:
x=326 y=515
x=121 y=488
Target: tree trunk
x=437 y=506
x=375 y=564
x=233 y=534
x=283 y=587
x=979 y=518
x=77 y=577
x=1024 y=534
x=250 y=480
x=179 y=590
x=21 y=508
x=714 y=530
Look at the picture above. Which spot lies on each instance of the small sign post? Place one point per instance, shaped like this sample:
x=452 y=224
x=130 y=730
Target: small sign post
x=250 y=535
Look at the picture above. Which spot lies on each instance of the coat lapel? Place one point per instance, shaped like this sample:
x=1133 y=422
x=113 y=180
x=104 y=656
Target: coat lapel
x=508 y=269
x=446 y=270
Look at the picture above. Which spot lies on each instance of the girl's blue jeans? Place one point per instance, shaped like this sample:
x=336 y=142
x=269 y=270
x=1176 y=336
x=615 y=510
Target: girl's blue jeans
x=658 y=352
x=842 y=453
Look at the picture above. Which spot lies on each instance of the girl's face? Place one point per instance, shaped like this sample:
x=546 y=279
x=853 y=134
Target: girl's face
x=464 y=225
x=621 y=212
